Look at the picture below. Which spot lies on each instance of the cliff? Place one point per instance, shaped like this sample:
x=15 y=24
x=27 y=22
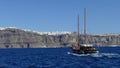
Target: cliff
x=17 y=38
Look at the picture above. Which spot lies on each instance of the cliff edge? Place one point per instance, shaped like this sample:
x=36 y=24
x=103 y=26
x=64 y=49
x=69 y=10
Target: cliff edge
x=18 y=38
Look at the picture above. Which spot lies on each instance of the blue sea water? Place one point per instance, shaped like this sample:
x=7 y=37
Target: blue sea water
x=109 y=57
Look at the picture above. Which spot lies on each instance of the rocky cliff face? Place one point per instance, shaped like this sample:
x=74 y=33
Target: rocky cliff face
x=17 y=38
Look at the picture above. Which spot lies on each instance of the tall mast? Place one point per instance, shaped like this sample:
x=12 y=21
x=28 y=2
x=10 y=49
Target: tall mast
x=78 y=31
x=85 y=35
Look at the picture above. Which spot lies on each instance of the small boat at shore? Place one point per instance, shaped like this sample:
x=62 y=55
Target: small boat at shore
x=84 y=48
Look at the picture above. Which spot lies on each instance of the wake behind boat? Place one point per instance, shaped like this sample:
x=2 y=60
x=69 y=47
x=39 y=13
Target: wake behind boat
x=83 y=48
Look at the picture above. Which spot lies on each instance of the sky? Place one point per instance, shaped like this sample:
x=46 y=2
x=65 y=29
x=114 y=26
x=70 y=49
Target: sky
x=103 y=16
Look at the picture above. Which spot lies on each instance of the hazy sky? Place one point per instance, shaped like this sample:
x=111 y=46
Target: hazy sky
x=103 y=16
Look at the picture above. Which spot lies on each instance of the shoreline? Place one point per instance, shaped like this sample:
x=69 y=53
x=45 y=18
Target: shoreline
x=59 y=47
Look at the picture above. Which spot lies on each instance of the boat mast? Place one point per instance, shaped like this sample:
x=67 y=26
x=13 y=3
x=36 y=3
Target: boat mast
x=78 y=32
x=85 y=35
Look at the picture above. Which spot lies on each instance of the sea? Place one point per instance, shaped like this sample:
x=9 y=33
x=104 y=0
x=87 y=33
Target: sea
x=108 y=57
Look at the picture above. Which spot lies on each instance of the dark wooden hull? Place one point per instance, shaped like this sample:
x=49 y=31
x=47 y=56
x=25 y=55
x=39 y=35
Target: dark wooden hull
x=85 y=50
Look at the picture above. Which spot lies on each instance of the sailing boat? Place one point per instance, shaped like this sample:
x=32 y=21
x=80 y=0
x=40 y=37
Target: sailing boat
x=83 y=48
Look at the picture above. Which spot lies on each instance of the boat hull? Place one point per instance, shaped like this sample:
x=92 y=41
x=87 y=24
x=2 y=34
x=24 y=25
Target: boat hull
x=84 y=52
